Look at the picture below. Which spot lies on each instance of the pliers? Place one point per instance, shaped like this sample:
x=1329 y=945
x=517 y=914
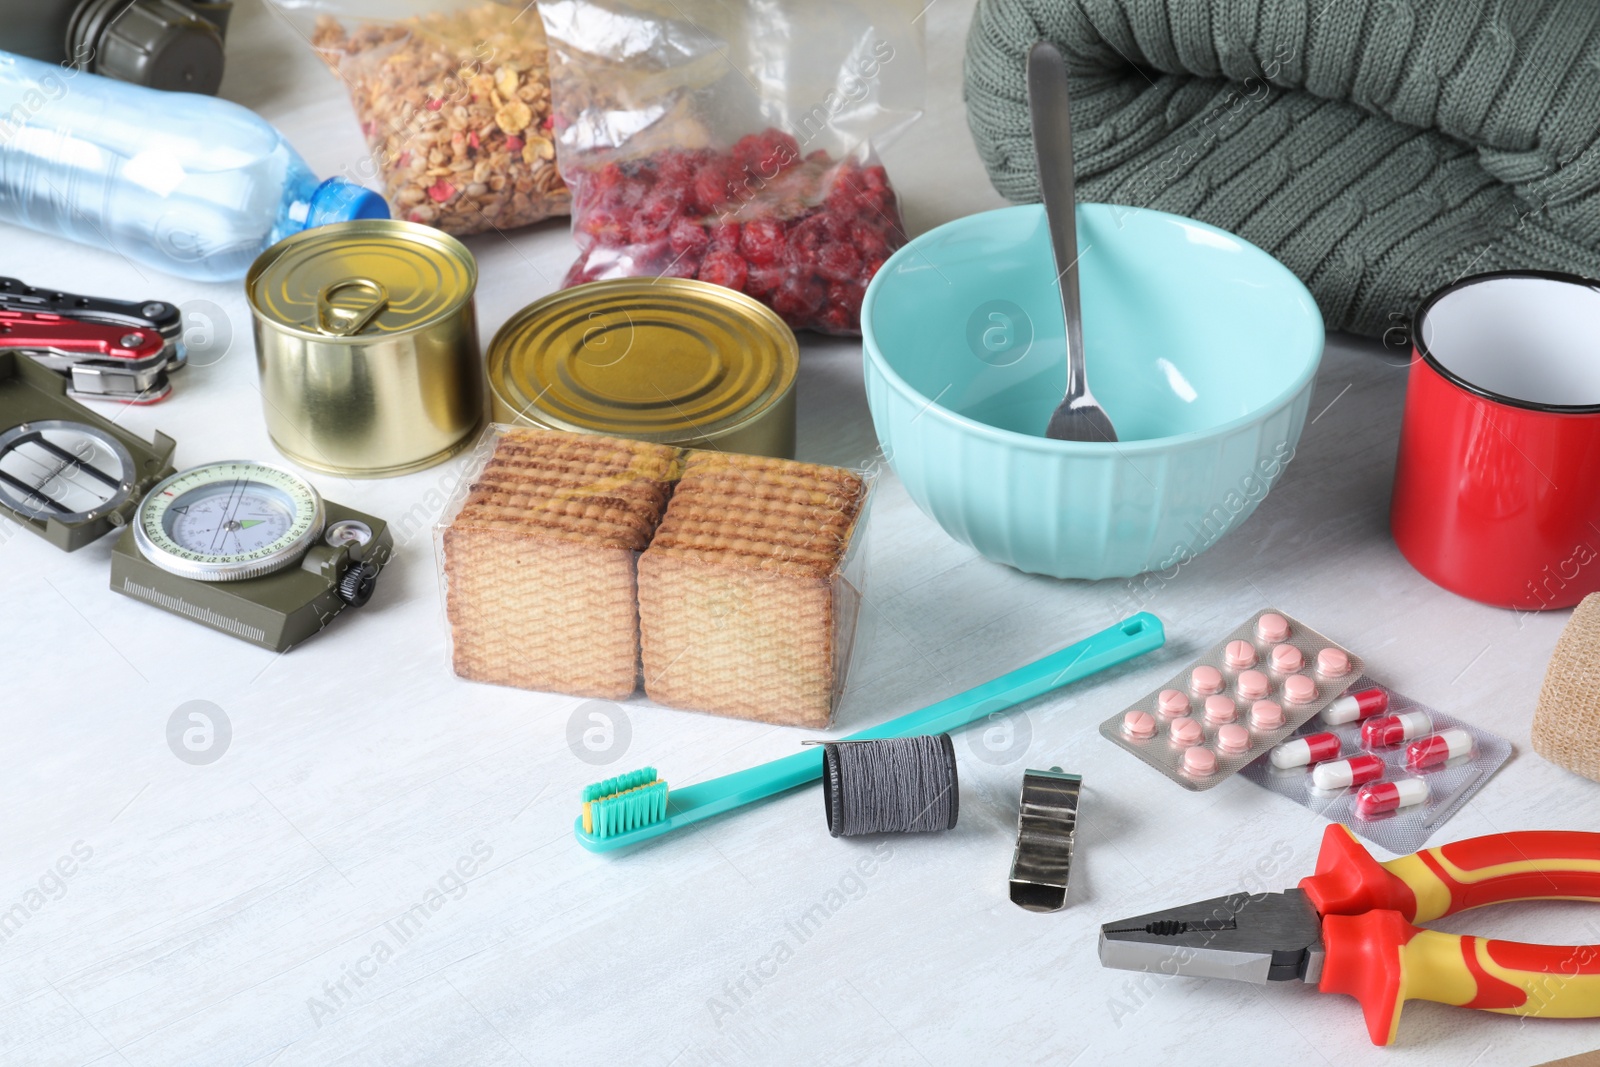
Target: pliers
x=1348 y=929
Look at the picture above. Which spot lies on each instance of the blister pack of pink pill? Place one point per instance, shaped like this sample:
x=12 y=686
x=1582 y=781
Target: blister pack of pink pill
x=1387 y=767
x=1243 y=696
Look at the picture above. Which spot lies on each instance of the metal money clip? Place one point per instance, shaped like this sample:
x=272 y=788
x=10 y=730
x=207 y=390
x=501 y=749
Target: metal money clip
x=1046 y=827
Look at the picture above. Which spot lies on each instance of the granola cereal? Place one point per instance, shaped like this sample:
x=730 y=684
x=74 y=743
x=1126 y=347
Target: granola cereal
x=455 y=106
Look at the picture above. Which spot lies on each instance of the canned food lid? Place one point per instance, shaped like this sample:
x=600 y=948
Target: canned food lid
x=666 y=359
x=367 y=277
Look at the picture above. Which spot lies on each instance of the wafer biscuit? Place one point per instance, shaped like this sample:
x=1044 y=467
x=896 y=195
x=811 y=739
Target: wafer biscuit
x=540 y=561
x=743 y=607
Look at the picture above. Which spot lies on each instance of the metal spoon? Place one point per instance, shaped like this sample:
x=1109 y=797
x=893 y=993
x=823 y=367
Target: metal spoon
x=1078 y=417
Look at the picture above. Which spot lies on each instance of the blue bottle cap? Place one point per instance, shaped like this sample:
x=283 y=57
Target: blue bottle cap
x=338 y=200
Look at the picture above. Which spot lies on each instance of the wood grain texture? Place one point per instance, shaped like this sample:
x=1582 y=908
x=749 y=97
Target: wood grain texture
x=381 y=870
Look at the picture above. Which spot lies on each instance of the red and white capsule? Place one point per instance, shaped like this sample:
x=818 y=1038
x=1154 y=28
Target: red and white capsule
x=1312 y=748
x=1441 y=747
x=1344 y=773
x=1380 y=798
x=1353 y=706
x=1391 y=730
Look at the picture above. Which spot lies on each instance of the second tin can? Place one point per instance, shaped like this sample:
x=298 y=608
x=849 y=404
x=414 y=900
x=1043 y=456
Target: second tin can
x=367 y=344
x=668 y=360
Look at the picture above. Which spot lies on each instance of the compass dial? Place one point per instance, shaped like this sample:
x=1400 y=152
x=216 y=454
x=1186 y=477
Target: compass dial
x=227 y=521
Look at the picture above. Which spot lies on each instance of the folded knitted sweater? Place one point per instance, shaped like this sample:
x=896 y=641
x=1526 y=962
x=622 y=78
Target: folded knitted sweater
x=1379 y=148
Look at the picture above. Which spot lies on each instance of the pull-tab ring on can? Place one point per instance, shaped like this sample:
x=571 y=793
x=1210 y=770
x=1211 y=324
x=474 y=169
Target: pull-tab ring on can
x=345 y=322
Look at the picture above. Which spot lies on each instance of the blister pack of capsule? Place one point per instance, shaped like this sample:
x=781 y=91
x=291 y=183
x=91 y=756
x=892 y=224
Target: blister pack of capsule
x=1387 y=767
x=1248 y=692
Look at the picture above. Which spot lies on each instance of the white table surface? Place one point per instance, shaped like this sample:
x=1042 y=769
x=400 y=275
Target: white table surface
x=221 y=906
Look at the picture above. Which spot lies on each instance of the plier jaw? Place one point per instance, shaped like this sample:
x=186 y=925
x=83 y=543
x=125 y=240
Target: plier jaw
x=1250 y=937
x=1349 y=929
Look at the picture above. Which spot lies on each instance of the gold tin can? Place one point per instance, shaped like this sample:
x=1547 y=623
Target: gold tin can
x=367 y=344
x=669 y=360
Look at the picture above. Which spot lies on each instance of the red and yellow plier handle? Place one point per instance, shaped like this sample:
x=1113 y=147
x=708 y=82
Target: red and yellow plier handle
x=1374 y=953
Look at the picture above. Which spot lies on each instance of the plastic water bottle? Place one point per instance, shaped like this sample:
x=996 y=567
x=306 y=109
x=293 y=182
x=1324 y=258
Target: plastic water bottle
x=188 y=184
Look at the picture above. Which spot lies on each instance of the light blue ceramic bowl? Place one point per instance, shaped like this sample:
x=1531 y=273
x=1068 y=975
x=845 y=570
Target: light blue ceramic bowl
x=1201 y=347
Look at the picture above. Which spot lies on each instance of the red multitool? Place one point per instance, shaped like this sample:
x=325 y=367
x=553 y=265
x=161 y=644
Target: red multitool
x=101 y=361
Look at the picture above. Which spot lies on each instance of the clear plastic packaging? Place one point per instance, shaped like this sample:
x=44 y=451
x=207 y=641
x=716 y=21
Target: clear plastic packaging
x=1243 y=695
x=1443 y=786
x=735 y=143
x=113 y=164
x=453 y=97
x=620 y=570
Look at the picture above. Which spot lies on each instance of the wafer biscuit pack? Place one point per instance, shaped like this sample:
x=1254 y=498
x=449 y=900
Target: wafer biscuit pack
x=616 y=569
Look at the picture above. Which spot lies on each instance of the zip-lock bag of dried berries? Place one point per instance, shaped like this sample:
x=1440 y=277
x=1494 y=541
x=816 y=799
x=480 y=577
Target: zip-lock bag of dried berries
x=454 y=99
x=736 y=142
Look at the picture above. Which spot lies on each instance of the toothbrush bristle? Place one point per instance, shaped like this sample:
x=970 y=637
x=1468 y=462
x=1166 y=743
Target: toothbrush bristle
x=627 y=802
x=621 y=783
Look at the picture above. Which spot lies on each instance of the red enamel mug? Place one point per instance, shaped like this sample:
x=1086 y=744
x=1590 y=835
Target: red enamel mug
x=1497 y=489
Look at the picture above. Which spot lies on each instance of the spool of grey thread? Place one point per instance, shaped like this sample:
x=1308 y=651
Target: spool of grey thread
x=892 y=785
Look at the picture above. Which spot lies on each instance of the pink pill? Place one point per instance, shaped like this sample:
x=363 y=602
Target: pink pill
x=1171 y=702
x=1266 y=715
x=1333 y=663
x=1185 y=731
x=1239 y=654
x=1252 y=685
x=1286 y=659
x=1220 y=709
x=1272 y=627
x=1200 y=762
x=1206 y=679
x=1233 y=738
x=1139 y=725
x=1298 y=689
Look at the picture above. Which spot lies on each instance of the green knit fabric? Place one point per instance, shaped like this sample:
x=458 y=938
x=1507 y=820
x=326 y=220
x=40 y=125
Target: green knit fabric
x=1379 y=148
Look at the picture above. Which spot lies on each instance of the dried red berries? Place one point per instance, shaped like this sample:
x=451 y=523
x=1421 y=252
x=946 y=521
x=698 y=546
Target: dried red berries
x=803 y=235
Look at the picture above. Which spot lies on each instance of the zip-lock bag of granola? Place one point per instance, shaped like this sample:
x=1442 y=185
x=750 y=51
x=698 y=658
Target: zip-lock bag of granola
x=454 y=99
x=736 y=143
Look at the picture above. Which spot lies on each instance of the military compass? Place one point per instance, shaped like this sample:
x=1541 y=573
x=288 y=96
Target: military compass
x=246 y=548
x=250 y=549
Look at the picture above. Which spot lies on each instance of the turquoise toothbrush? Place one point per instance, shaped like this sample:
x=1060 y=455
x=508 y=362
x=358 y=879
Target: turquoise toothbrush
x=635 y=807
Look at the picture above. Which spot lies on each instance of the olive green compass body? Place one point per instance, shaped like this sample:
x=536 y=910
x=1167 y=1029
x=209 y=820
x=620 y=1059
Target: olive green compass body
x=246 y=548
x=249 y=549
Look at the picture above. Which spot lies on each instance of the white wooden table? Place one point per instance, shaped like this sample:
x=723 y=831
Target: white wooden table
x=300 y=900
